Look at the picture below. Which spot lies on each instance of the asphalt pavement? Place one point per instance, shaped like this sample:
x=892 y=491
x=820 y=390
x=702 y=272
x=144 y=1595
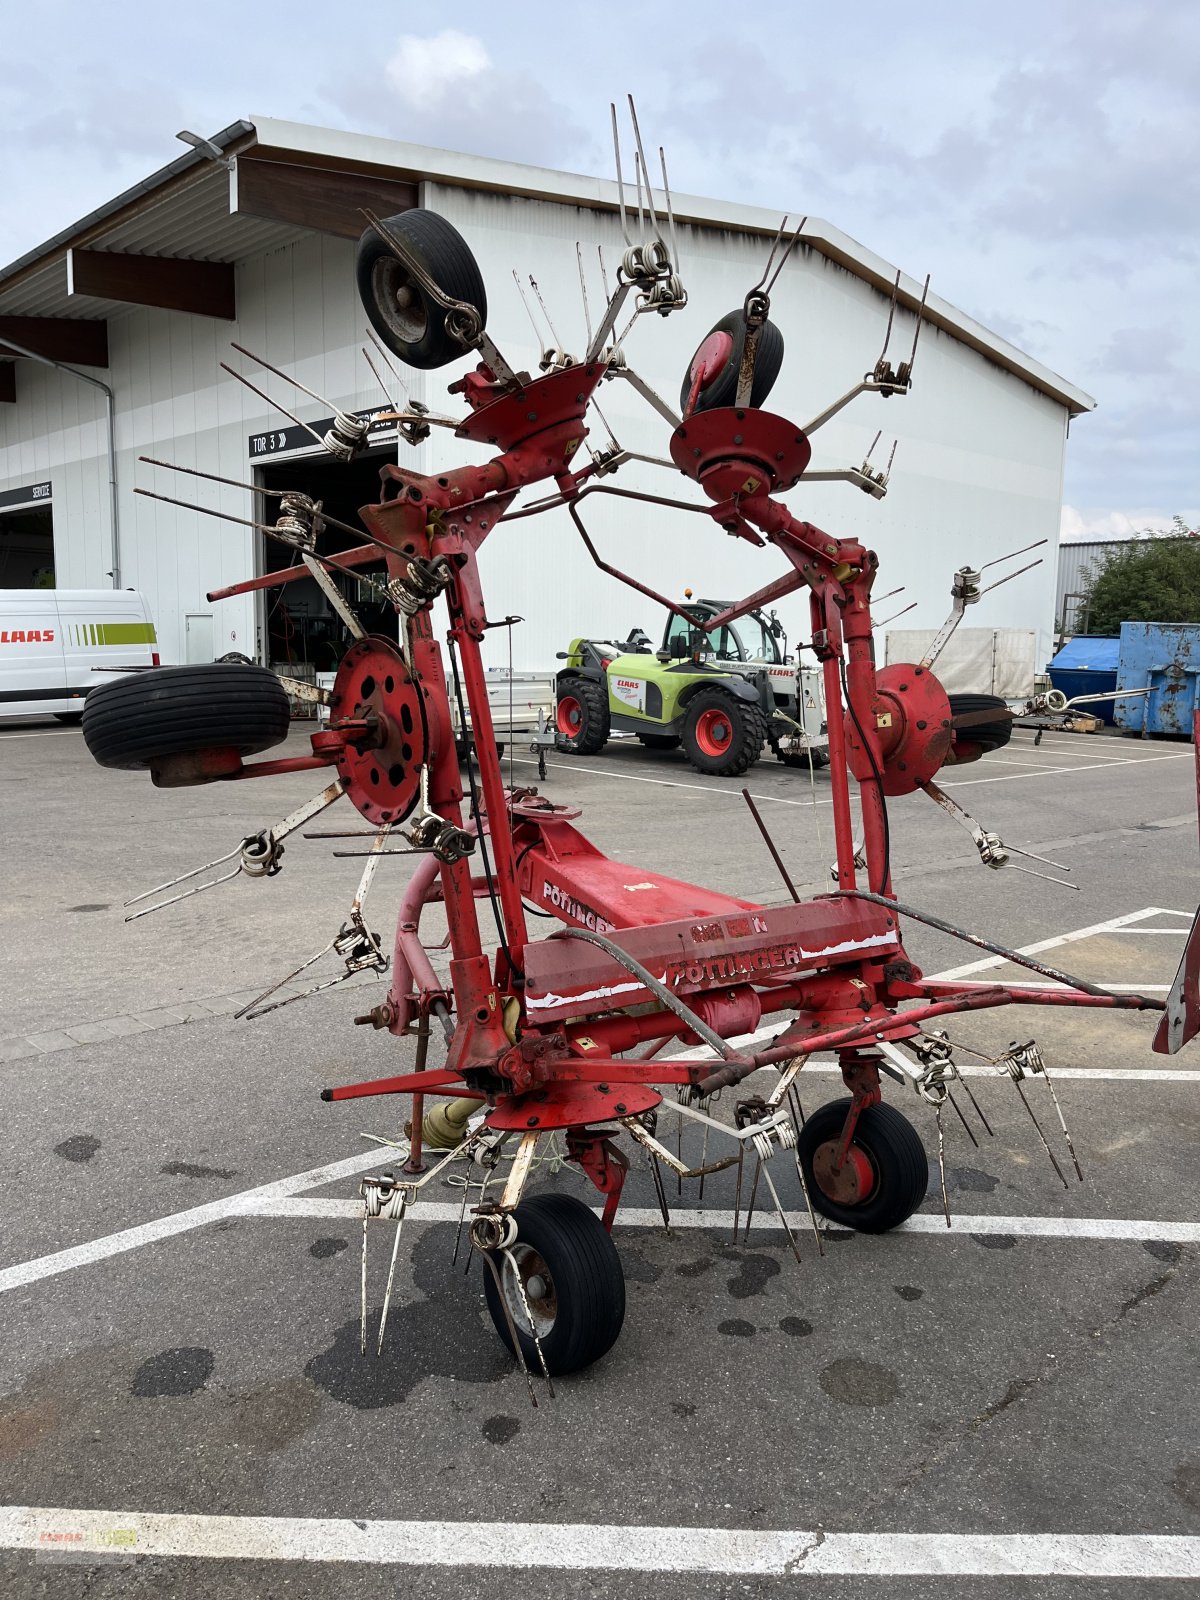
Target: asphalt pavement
x=1002 y=1408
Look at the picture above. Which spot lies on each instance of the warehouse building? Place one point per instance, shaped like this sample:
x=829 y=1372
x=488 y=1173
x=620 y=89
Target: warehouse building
x=118 y=326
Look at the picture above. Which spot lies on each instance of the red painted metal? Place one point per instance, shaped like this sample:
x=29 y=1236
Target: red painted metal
x=537 y=1025
x=714 y=732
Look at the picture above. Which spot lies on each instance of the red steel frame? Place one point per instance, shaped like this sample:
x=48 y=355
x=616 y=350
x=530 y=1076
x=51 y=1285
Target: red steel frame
x=538 y=1028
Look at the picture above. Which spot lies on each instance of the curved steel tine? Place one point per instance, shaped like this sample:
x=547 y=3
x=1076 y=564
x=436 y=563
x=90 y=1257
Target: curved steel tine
x=603 y=274
x=966 y=1125
x=545 y=313
x=363 y=1317
x=942 y=1161
x=887 y=337
x=533 y=1333
x=1062 y=1122
x=753 y=1196
x=250 y=1007
x=640 y=157
x=662 y=160
x=737 y=1193
x=587 y=317
x=782 y=1214
x=388 y=362
x=912 y=355
x=488 y=1257
x=280 y=373
x=528 y=312
x=263 y=395
x=184 y=876
x=787 y=250
x=375 y=373
x=620 y=180
x=387 y=1298
x=1041 y=1135
x=248 y=522
x=232 y=483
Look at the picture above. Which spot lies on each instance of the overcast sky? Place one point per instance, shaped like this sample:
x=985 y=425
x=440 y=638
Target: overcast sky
x=1041 y=160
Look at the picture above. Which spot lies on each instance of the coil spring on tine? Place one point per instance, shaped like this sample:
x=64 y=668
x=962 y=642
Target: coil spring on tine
x=347 y=436
x=297 y=519
x=382 y=1198
x=260 y=856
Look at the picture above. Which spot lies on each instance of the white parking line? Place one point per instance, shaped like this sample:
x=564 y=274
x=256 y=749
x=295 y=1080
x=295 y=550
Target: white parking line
x=673 y=783
x=932 y=1223
x=247 y=1202
x=50 y=733
x=1018 y=777
x=591 y=1547
x=114 y=1244
x=1113 y=925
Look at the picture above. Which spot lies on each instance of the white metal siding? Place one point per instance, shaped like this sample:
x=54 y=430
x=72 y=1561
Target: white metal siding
x=978 y=471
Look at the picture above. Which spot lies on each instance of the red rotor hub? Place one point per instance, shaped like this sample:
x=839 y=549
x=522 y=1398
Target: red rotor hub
x=739 y=450
x=383 y=769
x=911 y=713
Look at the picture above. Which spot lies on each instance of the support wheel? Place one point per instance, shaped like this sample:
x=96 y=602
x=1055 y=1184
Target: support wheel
x=573 y=1283
x=717 y=360
x=581 y=722
x=884 y=1177
x=186 y=724
x=980 y=738
x=796 y=758
x=659 y=741
x=723 y=736
x=403 y=314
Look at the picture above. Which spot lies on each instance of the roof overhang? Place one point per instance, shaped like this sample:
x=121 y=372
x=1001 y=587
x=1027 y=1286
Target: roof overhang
x=275 y=179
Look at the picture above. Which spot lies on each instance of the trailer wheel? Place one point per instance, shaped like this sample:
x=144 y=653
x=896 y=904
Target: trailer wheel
x=980 y=738
x=167 y=718
x=581 y=721
x=796 y=758
x=573 y=1282
x=885 y=1174
x=660 y=741
x=721 y=355
x=405 y=317
x=723 y=736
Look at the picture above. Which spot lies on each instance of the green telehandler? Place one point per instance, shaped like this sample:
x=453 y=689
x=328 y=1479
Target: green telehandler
x=720 y=695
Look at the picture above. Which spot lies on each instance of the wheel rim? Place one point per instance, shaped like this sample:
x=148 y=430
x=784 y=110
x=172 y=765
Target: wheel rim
x=570 y=716
x=851 y=1185
x=714 y=732
x=399 y=301
x=540 y=1292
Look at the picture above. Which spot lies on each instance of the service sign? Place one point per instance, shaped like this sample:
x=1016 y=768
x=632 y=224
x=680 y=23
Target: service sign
x=25 y=498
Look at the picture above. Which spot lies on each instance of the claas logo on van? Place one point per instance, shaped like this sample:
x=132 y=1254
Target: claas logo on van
x=27 y=636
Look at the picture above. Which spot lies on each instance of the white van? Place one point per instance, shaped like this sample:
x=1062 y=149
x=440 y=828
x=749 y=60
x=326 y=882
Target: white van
x=51 y=640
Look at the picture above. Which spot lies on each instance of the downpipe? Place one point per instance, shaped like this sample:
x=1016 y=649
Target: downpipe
x=110 y=406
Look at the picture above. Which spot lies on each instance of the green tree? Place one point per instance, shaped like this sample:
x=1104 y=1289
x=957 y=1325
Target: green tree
x=1155 y=578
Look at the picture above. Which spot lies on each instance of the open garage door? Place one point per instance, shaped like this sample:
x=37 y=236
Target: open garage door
x=300 y=631
x=26 y=538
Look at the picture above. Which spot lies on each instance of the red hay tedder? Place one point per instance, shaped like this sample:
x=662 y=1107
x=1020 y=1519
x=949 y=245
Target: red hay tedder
x=561 y=1034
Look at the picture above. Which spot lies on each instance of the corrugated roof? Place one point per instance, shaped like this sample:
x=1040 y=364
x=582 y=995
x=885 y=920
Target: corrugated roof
x=183 y=210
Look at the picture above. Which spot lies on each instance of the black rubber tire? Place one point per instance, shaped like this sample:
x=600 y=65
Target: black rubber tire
x=894 y=1148
x=748 y=726
x=584 y=1269
x=136 y=721
x=417 y=331
x=594 y=727
x=660 y=741
x=988 y=736
x=722 y=390
x=71 y=718
x=789 y=758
